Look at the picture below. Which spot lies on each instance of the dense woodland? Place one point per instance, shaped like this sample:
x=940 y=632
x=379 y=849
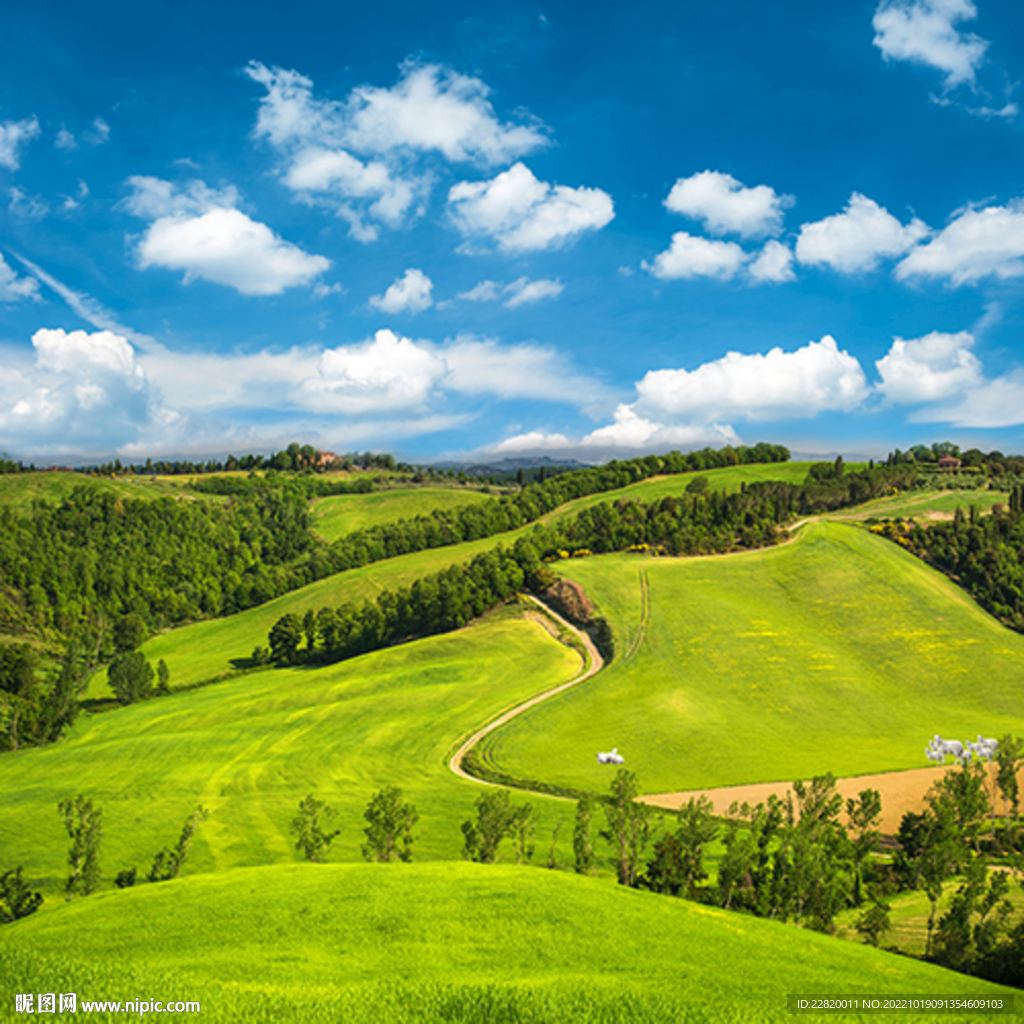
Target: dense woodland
x=984 y=554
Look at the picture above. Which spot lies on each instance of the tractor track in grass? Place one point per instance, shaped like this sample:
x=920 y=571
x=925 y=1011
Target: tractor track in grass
x=596 y=663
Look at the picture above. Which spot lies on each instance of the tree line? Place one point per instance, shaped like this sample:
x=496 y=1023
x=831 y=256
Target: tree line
x=699 y=522
x=984 y=554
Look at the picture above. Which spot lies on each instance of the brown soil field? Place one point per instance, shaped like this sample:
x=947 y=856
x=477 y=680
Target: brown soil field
x=901 y=792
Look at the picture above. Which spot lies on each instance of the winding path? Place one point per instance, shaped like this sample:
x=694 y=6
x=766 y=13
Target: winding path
x=595 y=666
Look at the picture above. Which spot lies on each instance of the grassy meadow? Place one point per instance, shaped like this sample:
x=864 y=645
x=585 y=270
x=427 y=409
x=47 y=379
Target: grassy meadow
x=341 y=514
x=19 y=490
x=837 y=652
x=452 y=942
x=249 y=749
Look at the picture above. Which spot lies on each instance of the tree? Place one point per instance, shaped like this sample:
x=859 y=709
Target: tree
x=285 y=637
x=629 y=825
x=582 y=842
x=1009 y=757
x=863 y=814
x=521 y=828
x=16 y=898
x=312 y=827
x=389 y=829
x=84 y=824
x=961 y=794
x=163 y=677
x=494 y=817
x=874 y=922
x=131 y=677
x=129 y=632
x=168 y=862
x=958 y=940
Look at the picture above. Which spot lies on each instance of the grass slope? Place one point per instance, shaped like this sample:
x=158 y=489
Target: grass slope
x=206 y=649
x=838 y=652
x=658 y=487
x=440 y=942
x=251 y=748
x=341 y=514
x=19 y=490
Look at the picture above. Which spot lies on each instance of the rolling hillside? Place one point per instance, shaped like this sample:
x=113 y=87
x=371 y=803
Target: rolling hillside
x=251 y=748
x=838 y=653
x=454 y=943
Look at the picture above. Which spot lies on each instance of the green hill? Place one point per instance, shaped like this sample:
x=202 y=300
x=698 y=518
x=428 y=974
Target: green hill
x=440 y=943
x=251 y=748
x=837 y=653
x=336 y=516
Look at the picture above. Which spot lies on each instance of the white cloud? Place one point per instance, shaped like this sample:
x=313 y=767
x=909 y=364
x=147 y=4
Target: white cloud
x=435 y=108
x=922 y=31
x=14 y=288
x=316 y=170
x=65 y=140
x=386 y=374
x=941 y=374
x=975 y=244
x=628 y=433
x=484 y=291
x=928 y=369
x=483 y=367
x=520 y=292
x=725 y=205
x=774 y=385
x=857 y=238
x=523 y=291
x=198 y=230
x=24 y=205
x=13 y=136
x=409 y=293
x=522 y=214
x=773 y=264
x=690 y=256
x=99 y=134
x=84 y=390
x=363 y=158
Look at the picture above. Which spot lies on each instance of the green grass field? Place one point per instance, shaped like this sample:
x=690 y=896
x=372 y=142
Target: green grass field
x=20 y=489
x=922 y=505
x=341 y=514
x=251 y=748
x=909 y=917
x=658 y=487
x=440 y=943
x=837 y=652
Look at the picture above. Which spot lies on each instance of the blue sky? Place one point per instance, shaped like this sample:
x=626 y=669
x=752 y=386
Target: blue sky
x=566 y=229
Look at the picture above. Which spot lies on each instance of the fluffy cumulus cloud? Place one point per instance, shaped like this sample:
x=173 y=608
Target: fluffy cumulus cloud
x=408 y=294
x=200 y=231
x=14 y=288
x=482 y=366
x=773 y=264
x=977 y=243
x=724 y=205
x=935 y=367
x=941 y=375
x=691 y=408
x=520 y=292
x=386 y=374
x=691 y=256
x=364 y=157
x=924 y=32
x=84 y=390
x=773 y=385
x=856 y=239
x=522 y=214
x=13 y=136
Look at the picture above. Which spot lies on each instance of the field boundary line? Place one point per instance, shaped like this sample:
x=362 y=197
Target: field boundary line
x=596 y=663
x=645 y=615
